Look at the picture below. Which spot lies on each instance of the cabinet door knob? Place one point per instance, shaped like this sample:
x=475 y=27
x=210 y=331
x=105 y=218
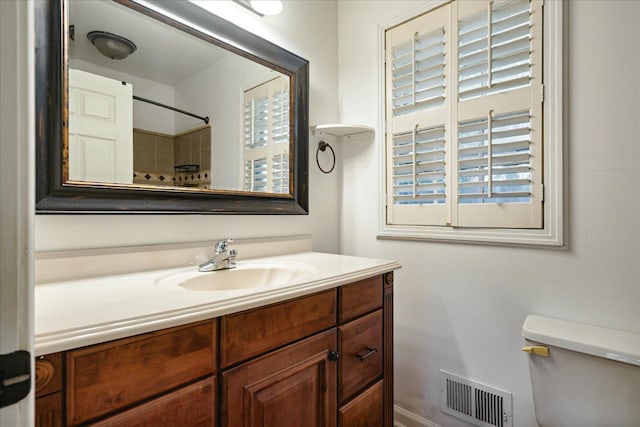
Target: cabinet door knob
x=334 y=356
x=368 y=352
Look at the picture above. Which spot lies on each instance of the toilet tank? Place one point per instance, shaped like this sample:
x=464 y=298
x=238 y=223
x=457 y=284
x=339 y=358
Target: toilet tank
x=591 y=377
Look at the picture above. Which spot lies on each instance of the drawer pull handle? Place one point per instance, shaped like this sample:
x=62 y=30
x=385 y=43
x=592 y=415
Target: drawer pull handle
x=367 y=353
x=334 y=356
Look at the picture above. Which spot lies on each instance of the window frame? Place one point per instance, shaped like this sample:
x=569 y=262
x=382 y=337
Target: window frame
x=553 y=233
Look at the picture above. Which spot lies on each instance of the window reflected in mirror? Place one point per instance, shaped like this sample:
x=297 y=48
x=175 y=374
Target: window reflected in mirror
x=266 y=137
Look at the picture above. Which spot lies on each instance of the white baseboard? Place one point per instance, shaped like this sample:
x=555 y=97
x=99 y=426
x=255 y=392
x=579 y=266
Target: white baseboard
x=405 y=418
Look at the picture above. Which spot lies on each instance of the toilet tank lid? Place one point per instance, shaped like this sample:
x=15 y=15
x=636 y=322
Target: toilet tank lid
x=608 y=343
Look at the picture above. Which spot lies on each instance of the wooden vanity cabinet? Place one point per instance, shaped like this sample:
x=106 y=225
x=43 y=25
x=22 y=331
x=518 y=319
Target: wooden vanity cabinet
x=321 y=360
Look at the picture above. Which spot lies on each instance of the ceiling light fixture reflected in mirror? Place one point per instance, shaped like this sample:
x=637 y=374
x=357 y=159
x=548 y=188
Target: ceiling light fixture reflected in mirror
x=111 y=45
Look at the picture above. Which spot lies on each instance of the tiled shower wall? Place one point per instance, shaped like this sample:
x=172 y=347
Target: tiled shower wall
x=156 y=155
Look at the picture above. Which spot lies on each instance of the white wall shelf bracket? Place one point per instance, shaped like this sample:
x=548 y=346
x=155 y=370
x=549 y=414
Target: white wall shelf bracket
x=340 y=130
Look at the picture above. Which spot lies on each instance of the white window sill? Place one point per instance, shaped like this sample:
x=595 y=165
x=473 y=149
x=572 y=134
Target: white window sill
x=546 y=238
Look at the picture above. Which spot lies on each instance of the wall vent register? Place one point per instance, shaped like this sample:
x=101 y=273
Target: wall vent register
x=476 y=403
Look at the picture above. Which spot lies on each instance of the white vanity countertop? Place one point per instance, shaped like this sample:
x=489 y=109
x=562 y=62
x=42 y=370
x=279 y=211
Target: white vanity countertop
x=76 y=313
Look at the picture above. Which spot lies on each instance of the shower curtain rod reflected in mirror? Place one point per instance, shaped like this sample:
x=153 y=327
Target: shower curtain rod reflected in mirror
x=204 y=119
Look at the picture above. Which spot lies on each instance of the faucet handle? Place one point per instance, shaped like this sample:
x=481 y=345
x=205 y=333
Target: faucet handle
x=221 y=245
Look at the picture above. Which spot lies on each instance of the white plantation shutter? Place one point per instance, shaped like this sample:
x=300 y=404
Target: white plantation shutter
x=508 y=158
x=279 y=89
x=496 y=60
x=280 y=110
x=266 y=135
x=418 y=134
x=256 y=138
x=418 y=72
x=470 y=156
x=280 y=173
x=255 y=174
x=418 y=167
x=499 y=114
x=256 y=122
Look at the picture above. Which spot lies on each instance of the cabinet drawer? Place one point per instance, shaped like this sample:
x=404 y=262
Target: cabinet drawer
x=363 y=411
x=360 y=347
x=107 y=377
x=48 y=374
x=193 y=405
x=360 y=298
x=253 y=332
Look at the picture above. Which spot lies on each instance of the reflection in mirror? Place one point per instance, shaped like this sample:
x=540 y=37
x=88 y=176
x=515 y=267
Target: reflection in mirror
x=176 y=112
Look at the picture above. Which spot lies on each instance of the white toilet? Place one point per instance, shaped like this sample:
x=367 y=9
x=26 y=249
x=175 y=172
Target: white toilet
x=591 y=376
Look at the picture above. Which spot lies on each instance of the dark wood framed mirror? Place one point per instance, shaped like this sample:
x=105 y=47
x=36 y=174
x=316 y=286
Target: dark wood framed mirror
x=60 y=190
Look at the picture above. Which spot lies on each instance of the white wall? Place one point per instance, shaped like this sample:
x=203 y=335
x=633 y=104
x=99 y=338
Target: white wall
x=145 y=116
x=217 y=92
x=460 y=307
x=307 y=28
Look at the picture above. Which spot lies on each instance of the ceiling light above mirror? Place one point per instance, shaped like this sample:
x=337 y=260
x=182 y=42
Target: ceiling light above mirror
x=111 y=45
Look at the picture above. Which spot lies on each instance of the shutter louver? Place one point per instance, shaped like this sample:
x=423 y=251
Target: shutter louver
x=494 y=49
x=280 y=173
x=280 y=114
x=255 y=175
x=256 y=116
x=419 y=167
x=495 y=166
x=418 y=70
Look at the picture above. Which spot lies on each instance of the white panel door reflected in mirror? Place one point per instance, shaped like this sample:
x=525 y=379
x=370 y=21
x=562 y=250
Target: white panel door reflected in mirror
x=100 y=129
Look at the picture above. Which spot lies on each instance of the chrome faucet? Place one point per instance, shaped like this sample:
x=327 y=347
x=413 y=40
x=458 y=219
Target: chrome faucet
x=224 y=257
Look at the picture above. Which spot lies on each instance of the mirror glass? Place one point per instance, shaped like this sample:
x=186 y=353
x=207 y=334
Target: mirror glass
x=177 y=111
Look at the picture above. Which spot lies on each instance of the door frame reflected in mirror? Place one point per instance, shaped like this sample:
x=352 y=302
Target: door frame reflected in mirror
x=53 y=195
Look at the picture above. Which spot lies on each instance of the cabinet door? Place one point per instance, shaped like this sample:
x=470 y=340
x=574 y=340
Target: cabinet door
x=293 y=386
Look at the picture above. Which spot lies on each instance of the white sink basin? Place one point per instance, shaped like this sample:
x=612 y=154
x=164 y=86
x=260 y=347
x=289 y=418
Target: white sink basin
x=246 y=275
